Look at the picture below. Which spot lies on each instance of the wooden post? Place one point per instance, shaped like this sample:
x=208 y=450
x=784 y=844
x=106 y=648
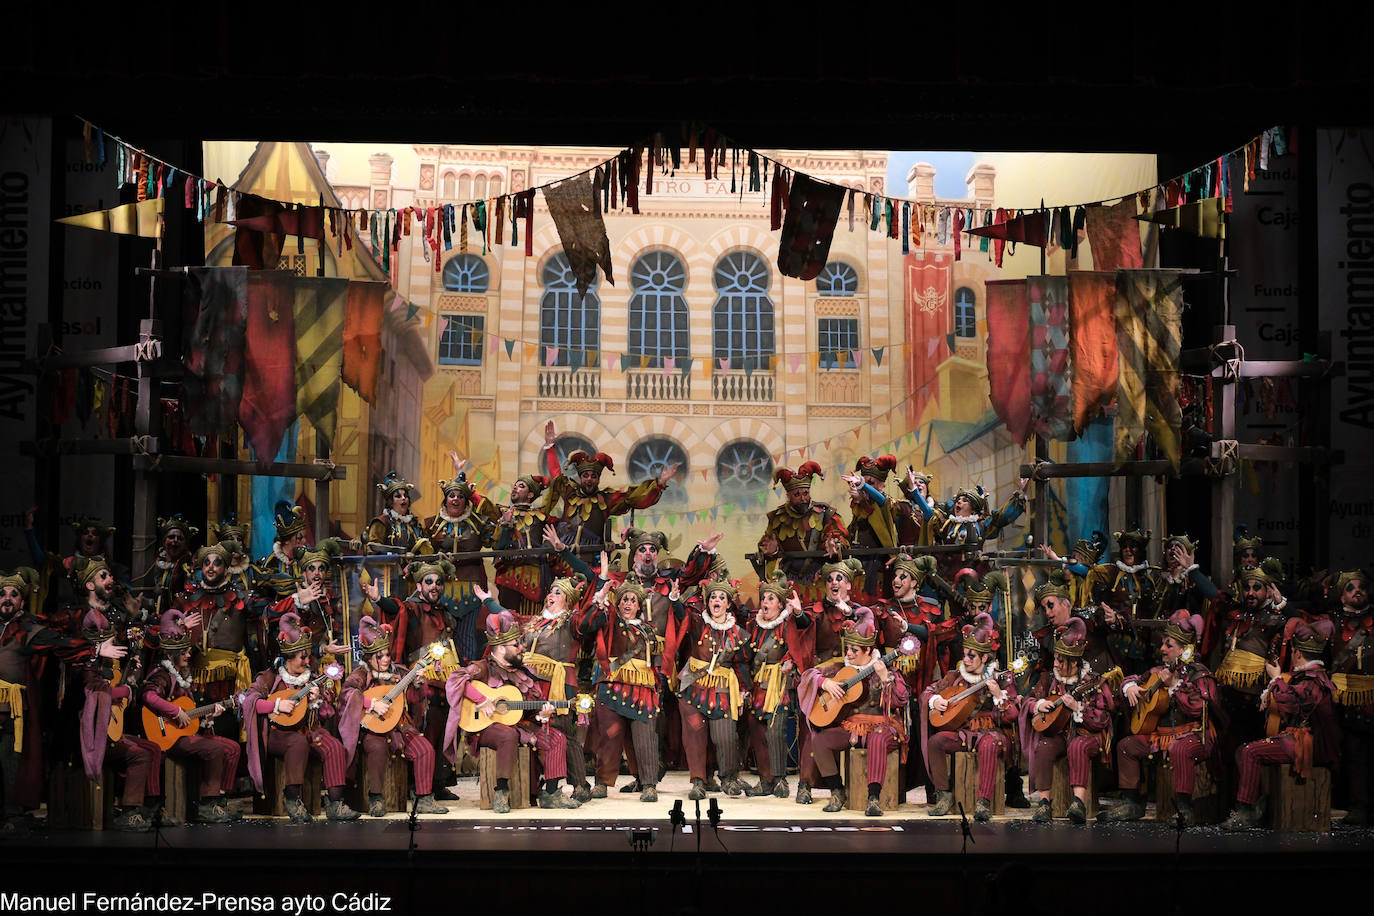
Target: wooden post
x=1223 y=488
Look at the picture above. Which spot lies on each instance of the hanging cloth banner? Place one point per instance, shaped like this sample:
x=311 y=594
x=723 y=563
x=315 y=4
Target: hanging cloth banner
x=813 y=209
x=362 y=337
x=1149 y=306
x=1051 y=411
x=1031 y=229
x=213 y=347
x=1205 y=218
x=319 y=312
x=576 y=217
x=1092 y=315
x=929 y=278
x=269 y=386
x=143 y=219
x=258 y=243
x=1114 y=236
x=1009 y=377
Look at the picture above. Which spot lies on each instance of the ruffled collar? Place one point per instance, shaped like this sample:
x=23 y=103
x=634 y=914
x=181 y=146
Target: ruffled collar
x=727 y=624
x=1068 y=681
x=775 y=622
x=453 y=520
x=965 y=519
x=184 y=683
x=988 y=671
x=294 y=680
x=238 y=570
x=403 y=519
x=280 y=554
x=1177 y=580
x=557 y=615
x=1139 y=567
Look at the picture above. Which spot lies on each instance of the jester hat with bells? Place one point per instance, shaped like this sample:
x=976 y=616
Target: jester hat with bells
x=779 y=586
x=292 y=637
x=1071 y=639
x=983 y=590
x=24 y=580
x=878 y=468
x=981 y=635
x=801 y=477
x=176 y=522
x=103 y=529
x=230 y=529
x=460 y=483
x=860 y=632
x=288 y=520
x=849 y=567
x=327 y=552
x=84 y=569
x=393 y=483
x=1308 y=638
x=918 y=568
x=630 y=586
x=1089 y=550
x=571 y=588
x=1184 y=628
x=1134 y=536
x=1241 y=542
x=221 y=549
x=726 y=586
x=537 y=484
x=598 y=462
x=1344 y=578
x=173 y=634
x=1056 y=585
x=502 y=629
x=372 y=637
x=977 y=499
x=418 y=569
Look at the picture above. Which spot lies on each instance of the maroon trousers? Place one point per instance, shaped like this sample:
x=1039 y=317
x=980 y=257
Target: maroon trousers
x=611 y=728
x=411 y=745
x=768 y=741
x=549 y=743
x=294 y=746
x=218 y=757
x=1184 y=756
x=1080 y=749
x=825 y=742
x=141 y=761
x=989 y=745
x=1251 y=757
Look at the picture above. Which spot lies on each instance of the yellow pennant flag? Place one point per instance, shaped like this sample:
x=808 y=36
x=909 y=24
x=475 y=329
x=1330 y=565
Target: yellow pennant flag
x=143 y=219
x=1205 y=218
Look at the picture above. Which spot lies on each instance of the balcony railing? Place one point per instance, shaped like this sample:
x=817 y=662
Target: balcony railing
x=737 y=385
x=653 y=385
x=563 y=382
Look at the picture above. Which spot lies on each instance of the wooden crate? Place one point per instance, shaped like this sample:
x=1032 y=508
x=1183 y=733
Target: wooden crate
x=855 y=764
x=519 y=780
x=966 y=784
x=1061 y=792
x=1208 y=805
x=274 y=780
x=395 y=789
x=75 y=803
x=180 y=788
x=1298 y=807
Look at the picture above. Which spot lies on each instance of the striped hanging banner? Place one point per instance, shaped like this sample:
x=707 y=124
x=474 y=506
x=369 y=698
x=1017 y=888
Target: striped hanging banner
x=1149 y=306
x=320 y=307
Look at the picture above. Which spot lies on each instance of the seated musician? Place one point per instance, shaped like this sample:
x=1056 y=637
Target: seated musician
x=877 y=717
x=140 y=758
x=293 y=743
x=220 y=666
x=1187 y=725
x=218 y=756
x=775 y=643
x=1087 y=734
x=502 y=666
x=1352 y=671
x=987 y=731
x=1308 y=734
x=378 y=670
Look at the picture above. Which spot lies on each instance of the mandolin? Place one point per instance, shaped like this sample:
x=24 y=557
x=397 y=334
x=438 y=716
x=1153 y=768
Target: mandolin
x=164 y=731
x=134 y=639
x=288 y=719
x=827 y=708
x=960 y=699
x=380 y=725
x=1056 y=718
x=511 y=706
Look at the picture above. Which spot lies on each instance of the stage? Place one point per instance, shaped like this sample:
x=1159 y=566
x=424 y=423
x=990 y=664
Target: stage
x=763 y=849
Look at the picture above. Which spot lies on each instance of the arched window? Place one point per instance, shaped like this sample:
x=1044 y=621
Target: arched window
x=648 y=459
x=742 y=320
x=837 y=279
x=965 y=313
x=464 y=188
x=743 y=467
x=479 y=188
x=568 y=320
x=495 y=186
x=658 y=309
x=466 y=273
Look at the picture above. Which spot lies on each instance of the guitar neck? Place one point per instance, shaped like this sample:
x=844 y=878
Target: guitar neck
x=865 y=671
x=535 y=704
x=300 y=694
x=404 y=682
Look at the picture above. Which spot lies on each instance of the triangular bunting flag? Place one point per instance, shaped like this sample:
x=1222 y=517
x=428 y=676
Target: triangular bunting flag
x=510 y=349
x=878 y=355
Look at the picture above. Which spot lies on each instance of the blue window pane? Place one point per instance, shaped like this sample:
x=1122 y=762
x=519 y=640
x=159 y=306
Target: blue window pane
x=466 y=273
x=461 y=342
x=567 y=319
x=837 y=279
x=836 y=339
x=965 y=313
x=742 y=320
x=658 y=309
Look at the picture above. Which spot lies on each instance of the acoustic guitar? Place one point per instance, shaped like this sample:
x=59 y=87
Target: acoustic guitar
x=134 y=639
x=1273 y=719
x=1055 y=719
x=960 y=701
x=381 y=725
x=511 y=706
x=288 y=719
x=164 y=731
x=1154 y=702
x=827 y=708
